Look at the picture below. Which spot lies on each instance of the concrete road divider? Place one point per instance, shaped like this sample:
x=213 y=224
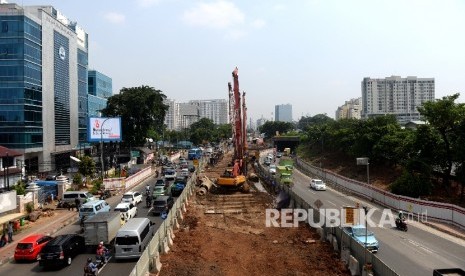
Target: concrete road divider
x=354 y=266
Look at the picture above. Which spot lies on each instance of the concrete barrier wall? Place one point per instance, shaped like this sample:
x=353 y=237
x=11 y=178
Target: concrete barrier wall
x=432 y=210
x=122 y=183
x=162 y=239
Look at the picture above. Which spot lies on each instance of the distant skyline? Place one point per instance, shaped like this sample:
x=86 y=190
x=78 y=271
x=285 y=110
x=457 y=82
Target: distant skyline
x=311 y=54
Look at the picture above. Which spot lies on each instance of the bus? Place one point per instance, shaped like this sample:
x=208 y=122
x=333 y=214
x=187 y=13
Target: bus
x=194 y=153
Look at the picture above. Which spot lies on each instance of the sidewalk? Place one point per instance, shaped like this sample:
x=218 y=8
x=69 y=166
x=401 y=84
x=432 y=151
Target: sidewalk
x=447 y=229
x=44 y=225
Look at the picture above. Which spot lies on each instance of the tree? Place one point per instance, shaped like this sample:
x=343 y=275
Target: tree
x=202 y=131
x=270 y=128
x=141 y=110
x=444 y=115
x=319 y=119
x=87 y=166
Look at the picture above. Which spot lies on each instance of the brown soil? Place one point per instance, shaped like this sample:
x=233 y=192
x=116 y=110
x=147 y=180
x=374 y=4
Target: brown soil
x=225 y=234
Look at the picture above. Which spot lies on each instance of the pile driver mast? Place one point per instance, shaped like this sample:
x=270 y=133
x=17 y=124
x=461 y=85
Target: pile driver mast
x=238 y=122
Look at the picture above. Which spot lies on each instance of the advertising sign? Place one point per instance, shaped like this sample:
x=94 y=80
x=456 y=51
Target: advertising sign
x=105 y=129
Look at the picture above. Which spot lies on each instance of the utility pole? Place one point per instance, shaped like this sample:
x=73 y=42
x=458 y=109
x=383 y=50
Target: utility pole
x=101 y=147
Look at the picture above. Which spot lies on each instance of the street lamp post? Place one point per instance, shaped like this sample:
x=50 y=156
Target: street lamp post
x=101 y=147
x=365 y=208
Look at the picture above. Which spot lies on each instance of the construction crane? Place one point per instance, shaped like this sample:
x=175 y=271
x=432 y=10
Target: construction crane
x=234 y=176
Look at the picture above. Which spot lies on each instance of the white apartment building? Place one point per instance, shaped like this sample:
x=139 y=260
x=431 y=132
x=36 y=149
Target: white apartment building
x=395 y=95
x=350 y=109
x=215 y=110
x=170 y=117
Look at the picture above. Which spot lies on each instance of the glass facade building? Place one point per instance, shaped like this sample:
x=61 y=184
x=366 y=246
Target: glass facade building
x=283 y=113
x=20 y=83
x=43 y=85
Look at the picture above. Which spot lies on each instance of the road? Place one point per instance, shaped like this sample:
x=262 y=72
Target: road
x=77 y=266
x=416 y=252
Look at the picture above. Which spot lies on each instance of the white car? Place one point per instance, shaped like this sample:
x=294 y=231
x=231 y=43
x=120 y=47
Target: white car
x=272 y=169
x=170 y=174
x=127 y=210
x=132 y=197
x=318 y=185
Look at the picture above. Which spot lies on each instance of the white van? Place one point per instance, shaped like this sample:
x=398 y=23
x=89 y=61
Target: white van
x=132 y=239
x=91 y=208
x=70 y=196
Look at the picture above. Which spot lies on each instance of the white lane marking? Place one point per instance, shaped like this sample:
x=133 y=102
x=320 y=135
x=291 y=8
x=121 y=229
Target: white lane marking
x=332 y=203
x=417 y=244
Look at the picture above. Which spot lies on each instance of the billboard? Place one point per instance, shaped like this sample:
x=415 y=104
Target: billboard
x=105 y=129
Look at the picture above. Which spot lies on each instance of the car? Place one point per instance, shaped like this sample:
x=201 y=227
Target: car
x=183 y=164
x=184 y=173
x=177 y=188
x=127 y=210
x=317 y=185
x=267 y=162
x=279 y=154
x=159 y=191
x=160 y=182
x=191 y=168
x=132 y=197
x=61 y=250
x=162 y=204
x=359 y=233
x=170 y=174
x=272 y=169
x=29 y=248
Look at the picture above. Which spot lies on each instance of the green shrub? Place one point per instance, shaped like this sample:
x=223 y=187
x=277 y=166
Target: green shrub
x=29 y=207
x=20 y=188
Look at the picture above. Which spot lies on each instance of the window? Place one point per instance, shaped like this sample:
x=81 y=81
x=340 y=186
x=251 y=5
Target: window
x=128 y=240
x=144 y=233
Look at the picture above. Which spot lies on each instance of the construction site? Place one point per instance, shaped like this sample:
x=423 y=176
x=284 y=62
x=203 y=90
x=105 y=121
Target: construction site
x=224 y=230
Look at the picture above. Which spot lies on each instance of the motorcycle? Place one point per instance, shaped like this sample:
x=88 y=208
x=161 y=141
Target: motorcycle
x=148 y=201
x=401 y=224
x=101 y=260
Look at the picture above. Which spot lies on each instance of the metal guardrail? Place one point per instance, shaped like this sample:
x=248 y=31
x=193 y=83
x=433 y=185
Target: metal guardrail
x=344 y=241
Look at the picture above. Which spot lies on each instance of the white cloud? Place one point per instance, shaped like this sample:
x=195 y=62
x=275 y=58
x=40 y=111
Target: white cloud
x=218 y=15
x=115 y=17
x=235 y=35
x=147 y=3
x=258 y=23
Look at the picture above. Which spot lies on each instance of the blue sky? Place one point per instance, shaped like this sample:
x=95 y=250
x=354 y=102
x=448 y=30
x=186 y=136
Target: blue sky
x=311 y=54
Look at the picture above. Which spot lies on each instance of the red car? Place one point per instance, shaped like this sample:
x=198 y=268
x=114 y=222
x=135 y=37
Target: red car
x=30 y=247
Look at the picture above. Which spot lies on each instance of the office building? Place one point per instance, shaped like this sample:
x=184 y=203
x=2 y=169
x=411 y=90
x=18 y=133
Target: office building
x=43 y=71
x=100 y=88
x=283 y=113
x=170 y=116
x=187 y=113
x=215 y=110
x=350 y=109
x=395 y=95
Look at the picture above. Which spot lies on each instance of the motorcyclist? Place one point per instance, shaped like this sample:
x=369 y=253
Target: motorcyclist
x=147 y=189
x=148 y=200
x=101 y=252
x=401 y=216
x=90 y=268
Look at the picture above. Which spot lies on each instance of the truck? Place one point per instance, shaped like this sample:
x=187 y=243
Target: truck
x=101 y=227
x=287 y=151
x=284 y=174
